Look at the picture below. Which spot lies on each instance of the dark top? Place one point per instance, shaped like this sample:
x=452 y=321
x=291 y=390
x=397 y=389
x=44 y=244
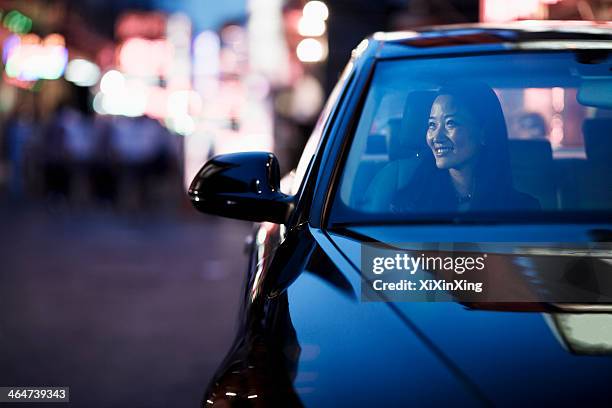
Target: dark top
x=435 y=193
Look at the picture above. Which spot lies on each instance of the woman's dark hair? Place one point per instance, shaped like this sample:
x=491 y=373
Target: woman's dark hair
x=493 y=170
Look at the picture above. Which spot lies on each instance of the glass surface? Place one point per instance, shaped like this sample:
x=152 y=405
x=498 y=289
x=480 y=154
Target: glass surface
x=509 y=134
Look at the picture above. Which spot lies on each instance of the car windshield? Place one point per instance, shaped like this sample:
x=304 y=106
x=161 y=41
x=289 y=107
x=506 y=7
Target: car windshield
x=513 y=134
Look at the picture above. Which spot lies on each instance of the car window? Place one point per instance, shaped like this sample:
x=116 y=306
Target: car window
x=505 y=133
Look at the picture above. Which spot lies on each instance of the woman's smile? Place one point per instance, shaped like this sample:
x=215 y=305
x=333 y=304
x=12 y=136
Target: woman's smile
x=442 y=149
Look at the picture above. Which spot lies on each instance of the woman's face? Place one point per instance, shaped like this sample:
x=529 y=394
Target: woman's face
x=453 y=134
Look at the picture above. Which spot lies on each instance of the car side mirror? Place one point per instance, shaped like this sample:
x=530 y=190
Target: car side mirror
x=245 y=186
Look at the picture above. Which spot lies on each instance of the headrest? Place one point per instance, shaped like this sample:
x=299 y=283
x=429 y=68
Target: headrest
x=408 y=134
x=532 y=152
x=376 y=144
x=598 y=139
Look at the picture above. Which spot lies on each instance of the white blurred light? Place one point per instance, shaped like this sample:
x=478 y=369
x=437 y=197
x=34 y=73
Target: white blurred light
x=120 y=97
x=258 y=86
x=311 y=27
x=97 y=104
x=53 y=63
x=307 y=99
x=310 y=50
x=182 y=103
x=82 y=72
x=267 y=46
x=316 y=9
x=112 y=82
x=124 y=103
x=178 y=103
x=183 y=125
x=206 y=47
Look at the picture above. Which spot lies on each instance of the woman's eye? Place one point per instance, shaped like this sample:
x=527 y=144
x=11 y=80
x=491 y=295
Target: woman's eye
x=431 y=126
x=451 y=124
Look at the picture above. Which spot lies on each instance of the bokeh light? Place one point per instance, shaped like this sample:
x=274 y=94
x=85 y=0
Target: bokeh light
x=113 y=81
x=82 y=72
x=316 y=10
x=29 y=58
x=17 y=23
x=310 y=50
x=311 y=27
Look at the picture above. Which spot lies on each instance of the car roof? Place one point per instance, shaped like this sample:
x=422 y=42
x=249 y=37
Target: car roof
x=465 y=38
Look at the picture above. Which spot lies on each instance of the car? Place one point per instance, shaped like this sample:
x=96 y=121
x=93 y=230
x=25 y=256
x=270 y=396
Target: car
x=412 y=159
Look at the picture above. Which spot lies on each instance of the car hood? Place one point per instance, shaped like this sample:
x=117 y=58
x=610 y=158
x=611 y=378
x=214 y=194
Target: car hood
x=503 y=357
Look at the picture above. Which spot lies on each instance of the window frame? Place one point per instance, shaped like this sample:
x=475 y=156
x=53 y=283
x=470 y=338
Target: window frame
x=337 y=153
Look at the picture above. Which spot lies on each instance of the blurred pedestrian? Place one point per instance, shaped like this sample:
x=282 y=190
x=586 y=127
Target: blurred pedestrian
x=19 y=132
x=80 y=146
x=103 y=166
x=140 y=147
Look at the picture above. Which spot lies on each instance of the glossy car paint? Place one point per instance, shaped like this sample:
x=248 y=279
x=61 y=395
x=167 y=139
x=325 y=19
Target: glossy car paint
x=305 y=339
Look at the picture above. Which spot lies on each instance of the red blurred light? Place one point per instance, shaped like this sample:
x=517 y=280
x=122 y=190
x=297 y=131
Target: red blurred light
x=142 y=57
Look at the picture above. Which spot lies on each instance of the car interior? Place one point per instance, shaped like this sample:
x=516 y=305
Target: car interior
x=557 y=179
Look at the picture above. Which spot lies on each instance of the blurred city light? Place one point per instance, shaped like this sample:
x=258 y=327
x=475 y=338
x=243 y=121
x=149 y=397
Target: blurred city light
x=28 y=58
x=178 y=33
x=233 y=35
x=118 y=96
x=131 y=100
x=113 y=81
x=307 y=99
x=503 y=10
x=311 y=27
x=316 y=10
x=17 y=23
x=54 y=40
x=147 y=58
x=82 y=72
x=267 y=47
x=157 y=101
x=258 y=86
x=97 y=104
x=310 y=50
x=182 y=103
x=9 y=45
x=183 y=125
x=206 y=47
x=181 y=107
x=144 y=24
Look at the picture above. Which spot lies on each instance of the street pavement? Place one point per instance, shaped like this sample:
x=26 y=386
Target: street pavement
x=132 y=310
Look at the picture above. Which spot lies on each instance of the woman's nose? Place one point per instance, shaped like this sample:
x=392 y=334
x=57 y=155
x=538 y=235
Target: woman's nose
x=438 y=134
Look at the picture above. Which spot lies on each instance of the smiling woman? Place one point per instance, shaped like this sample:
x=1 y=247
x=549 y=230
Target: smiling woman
x=470 y=170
